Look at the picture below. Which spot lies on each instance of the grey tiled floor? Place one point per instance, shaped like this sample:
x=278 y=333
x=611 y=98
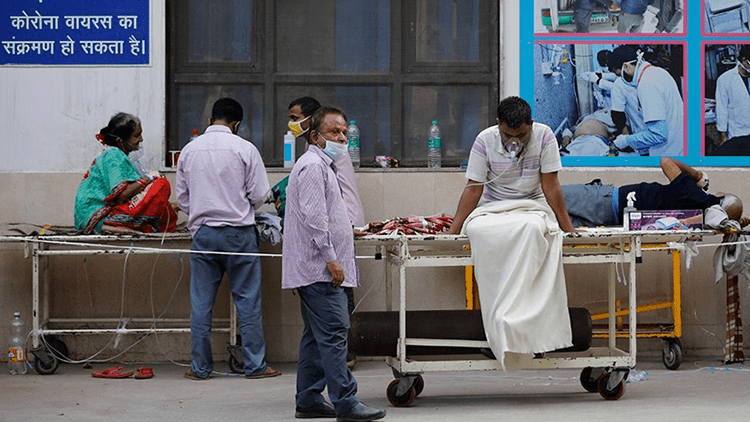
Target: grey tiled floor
x=695 y=392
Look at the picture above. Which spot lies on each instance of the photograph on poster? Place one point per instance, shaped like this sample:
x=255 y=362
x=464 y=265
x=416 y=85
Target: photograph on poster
x=726 y=99
x=609 y=16
x=611 y=100
x=726 y=16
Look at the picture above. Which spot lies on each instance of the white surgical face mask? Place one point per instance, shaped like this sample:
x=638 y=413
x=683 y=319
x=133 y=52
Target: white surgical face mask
x=334 y=150
x=747 y=69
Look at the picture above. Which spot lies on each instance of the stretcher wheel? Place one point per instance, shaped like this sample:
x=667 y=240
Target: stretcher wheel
x=399 y=401
x=590 y=379
x=604 y=390
x=418 y=385
x=671 y=353
x=47 y=365
x=236 y=366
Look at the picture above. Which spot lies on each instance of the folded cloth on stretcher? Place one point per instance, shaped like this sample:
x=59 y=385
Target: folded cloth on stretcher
x=410 y=225
x=516 y=246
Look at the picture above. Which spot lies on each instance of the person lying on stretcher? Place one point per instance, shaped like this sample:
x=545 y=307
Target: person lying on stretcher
x=596 y=204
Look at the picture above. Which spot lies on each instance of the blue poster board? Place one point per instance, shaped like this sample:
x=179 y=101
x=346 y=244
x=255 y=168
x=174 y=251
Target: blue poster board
x=554 y=56
x=75 y=32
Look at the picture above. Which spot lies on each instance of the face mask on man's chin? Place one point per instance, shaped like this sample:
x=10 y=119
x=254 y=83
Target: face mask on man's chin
x=742 y=65
x=335 y=150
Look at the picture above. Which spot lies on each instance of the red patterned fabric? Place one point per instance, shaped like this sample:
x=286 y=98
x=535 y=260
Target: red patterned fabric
x=734 y=323
x=147 y=212
x=410 y=225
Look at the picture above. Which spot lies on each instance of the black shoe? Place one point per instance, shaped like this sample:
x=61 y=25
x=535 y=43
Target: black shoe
x=323 y=410
x=360 y=413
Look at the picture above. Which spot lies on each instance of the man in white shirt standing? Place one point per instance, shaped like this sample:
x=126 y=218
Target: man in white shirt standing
x=732 y=106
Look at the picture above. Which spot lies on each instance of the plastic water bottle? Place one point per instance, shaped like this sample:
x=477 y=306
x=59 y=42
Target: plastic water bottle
x=433 y=146
x=627 y=210
x=17 y=346
x=288 y=150
x=636 y=376
x=353 y=139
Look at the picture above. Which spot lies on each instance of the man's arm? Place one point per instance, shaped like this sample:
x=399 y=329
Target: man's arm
x=556 y=200
x=469 y=200
x=656 y=133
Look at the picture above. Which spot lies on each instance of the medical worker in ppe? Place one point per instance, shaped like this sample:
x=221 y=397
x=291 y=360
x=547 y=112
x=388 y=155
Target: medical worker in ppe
x=733 y=100
x=660 y=101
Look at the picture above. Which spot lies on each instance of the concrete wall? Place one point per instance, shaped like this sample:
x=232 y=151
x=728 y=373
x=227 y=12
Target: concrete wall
x=91 y=287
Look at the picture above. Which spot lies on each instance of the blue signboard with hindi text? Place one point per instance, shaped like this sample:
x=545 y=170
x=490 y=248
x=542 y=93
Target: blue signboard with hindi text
x=74 y=32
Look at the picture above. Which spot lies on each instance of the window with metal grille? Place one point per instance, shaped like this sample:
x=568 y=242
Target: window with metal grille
x=393 y=66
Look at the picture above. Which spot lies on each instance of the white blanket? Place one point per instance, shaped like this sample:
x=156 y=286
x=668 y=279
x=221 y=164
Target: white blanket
x=517 y=251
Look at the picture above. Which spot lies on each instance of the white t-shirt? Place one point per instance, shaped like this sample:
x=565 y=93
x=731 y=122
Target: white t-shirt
x=518 y=179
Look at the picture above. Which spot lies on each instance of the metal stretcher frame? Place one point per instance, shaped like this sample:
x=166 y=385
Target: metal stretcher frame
x=599 y=246
x=670 y=333
x=81 y=245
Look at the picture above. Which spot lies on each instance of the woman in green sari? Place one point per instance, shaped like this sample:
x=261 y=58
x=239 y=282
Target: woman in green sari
x=114 y=197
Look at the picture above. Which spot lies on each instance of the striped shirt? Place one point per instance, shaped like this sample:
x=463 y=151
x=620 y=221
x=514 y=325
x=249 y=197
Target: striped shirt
x=317 y=229
x=520 y=179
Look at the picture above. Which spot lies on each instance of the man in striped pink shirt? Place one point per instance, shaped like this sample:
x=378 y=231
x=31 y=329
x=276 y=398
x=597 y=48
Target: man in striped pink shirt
x=318 y=259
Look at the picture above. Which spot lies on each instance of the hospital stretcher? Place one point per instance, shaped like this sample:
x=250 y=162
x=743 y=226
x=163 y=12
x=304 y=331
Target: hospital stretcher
x=603 y=369
x=43 y=324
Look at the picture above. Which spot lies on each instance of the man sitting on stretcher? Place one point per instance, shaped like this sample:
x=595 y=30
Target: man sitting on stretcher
x=516 y=241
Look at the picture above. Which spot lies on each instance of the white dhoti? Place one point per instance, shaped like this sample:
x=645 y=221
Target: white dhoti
x=516 y=247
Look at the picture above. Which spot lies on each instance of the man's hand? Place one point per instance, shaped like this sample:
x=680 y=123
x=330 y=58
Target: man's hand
x=744 y=221
x=337 y=272
x=621 y=142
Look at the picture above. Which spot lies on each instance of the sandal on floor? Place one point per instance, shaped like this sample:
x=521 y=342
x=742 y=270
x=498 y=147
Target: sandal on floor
x=270 y=372
x=142 y=373
x=113 y=372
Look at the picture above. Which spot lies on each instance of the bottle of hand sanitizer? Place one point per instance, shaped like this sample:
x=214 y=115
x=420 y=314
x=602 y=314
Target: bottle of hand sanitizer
x=627 y=210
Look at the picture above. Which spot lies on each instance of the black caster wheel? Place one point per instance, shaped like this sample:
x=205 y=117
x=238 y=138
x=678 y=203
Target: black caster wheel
x=399 y=401
x=236 y=366
x=671 y=353
x=605 y=391
x=590 y=379
x=45 y=362
x=418 y=385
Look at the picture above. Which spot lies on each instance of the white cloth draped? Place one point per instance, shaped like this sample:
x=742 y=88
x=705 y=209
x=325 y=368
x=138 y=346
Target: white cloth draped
x=517 y=251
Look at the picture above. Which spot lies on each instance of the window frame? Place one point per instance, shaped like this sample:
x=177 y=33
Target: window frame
x=404 y=71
